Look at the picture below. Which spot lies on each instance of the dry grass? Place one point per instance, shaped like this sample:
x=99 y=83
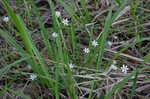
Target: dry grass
x=125 y=29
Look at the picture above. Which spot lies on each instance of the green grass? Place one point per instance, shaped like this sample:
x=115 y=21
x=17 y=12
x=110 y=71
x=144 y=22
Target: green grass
x=52 y=68
x=37 y=61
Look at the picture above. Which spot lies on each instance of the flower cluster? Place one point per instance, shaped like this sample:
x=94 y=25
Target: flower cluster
x=65 y=21
x=94 y=44
x=124 y=68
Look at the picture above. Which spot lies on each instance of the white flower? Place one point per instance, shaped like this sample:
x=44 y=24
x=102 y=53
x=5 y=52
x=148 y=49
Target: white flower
x=65 y=22
x=114 y=62
x=6 y=19
x=115 y=37
x=58 y=14
x=113 y=66
x=54 y=35
x=71 y=65
x=86 y=50
x=29 y=67
x=109 y=43
x=33 y=76
x=94 y=43
x=124 y=69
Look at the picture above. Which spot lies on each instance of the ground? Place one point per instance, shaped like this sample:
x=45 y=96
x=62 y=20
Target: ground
x=115 y=65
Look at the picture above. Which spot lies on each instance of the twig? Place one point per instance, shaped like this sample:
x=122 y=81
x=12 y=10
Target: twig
x=126 y=55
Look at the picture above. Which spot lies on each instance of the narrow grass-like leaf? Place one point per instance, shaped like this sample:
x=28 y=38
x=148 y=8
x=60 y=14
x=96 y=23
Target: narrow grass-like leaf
x=126 y=79
x=43 y=31
x=5 y=68
x=102 y=41
x=85 y=10
x=38 y=63
x=20 y=26
x=126 y=47
x=118 y=2
x=102 y=38
x=20 y=94
x=134 y=84
x=121 y=84
x=70 y=10
x=60 y=41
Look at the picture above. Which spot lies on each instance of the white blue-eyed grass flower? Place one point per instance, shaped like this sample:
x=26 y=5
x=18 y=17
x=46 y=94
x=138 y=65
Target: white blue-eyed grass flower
x=124 y=69
x=94 y=43
x=71 y=65
x=115 y=37
x=57 y=13
x=6 y=19
x=33 y=76
x=113 y=65
x=65 y=22
x=55 y=35
x=86 y=50
x=109 y=43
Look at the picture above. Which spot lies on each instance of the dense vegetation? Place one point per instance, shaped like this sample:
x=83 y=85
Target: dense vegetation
x=74 y=49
